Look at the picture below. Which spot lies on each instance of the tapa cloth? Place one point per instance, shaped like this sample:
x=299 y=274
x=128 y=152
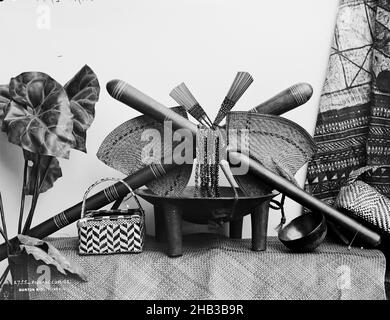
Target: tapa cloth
x=353 y=124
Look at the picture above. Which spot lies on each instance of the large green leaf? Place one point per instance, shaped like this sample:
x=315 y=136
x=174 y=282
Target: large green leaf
x=46 y=252
x=38 y=117
x=83 y=92
x=4 y=101
x=49 y=168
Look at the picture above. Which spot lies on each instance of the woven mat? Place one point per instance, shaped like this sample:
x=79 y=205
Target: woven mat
x=215 y=267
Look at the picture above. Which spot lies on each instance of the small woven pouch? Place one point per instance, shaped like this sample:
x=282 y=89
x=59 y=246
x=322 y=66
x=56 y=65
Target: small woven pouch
x=364 y=201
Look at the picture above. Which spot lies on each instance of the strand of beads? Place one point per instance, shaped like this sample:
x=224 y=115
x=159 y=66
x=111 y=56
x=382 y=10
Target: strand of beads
x=206 y=172
x=216 y=167
x=198 y=168
x=207 y=163
x=211 y=162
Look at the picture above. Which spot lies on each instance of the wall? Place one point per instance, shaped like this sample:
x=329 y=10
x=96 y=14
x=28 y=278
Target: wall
x=155 y=45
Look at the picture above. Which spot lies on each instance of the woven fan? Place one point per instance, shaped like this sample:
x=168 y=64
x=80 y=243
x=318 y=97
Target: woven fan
x=277 y=143
x=122 y=150
x=183 y=96
x=241 y=83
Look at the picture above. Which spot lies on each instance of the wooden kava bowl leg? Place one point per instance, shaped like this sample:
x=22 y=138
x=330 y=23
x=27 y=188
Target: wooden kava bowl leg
x=173 y=227
x=159 y=224
x=259 y=227
x=235 y=228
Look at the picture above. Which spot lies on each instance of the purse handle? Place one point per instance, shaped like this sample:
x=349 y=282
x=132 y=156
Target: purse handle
x=354 y=175
x=132 y=194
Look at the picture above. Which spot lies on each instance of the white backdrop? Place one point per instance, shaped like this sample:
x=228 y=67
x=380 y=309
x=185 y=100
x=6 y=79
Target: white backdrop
x=154 y=45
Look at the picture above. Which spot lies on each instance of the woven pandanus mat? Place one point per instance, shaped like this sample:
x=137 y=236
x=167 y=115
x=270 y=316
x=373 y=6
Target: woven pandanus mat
x=215 y=267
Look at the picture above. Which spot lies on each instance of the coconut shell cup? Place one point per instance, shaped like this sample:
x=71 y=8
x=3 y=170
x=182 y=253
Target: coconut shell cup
x=305 y=233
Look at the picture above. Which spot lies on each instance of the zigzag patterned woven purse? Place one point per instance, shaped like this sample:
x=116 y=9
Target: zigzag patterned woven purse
x=111 y=231
x=364 y=201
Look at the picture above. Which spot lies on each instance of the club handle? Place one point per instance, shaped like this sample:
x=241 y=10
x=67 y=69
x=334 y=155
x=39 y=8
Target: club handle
x=292 y=191
x=286 y=100
x=132 y=97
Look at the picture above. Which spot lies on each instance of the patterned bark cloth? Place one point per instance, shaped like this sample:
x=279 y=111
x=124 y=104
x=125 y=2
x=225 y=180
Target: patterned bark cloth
x=215 y=267
x=353 y=125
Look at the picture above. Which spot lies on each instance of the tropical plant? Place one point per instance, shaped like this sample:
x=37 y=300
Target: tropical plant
x=46 y=120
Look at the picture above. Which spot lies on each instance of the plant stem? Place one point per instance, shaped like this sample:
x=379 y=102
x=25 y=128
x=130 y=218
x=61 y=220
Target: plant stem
x=35 y=195
x=4 y=276
x=45 y=173
x=37 y=191
x=23 y=197
x=39 y=180
x=4 y=235
x=3 y=230
x=3 y=216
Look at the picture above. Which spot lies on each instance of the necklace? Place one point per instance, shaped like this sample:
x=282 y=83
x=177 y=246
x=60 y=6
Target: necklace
x=207 y=163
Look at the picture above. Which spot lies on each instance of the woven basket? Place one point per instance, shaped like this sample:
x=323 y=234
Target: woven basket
x=111 y=231
x=277 y=143
x=122 y=150
x=364 y=201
